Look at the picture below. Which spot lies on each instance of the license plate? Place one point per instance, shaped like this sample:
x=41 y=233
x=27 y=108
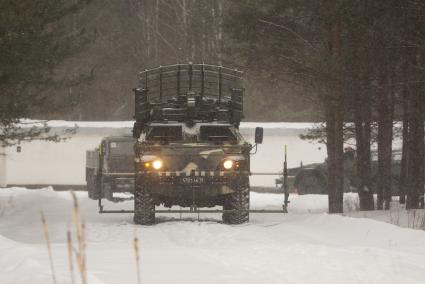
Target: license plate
x=193 y=180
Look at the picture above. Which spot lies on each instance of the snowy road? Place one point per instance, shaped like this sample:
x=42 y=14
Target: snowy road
x=305 y=246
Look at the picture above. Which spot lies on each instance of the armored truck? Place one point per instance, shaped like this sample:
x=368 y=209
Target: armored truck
x=189 y=150
x=110 y=167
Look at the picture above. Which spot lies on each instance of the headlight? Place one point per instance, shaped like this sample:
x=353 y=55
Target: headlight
x=157 y=164
x=228 y=164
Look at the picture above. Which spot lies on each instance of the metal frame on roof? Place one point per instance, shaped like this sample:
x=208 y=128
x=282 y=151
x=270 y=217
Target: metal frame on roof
x=204 y=79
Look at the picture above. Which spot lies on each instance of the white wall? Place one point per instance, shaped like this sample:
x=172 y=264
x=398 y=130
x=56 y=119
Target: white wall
x=3 y=171
x=42 y=162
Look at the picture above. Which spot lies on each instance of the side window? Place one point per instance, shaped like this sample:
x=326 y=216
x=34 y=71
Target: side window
x=165 y=133
x=216 y=133
x=121 y=148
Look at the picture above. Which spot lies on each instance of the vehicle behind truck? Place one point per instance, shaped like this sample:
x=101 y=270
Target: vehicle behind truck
x=110 y=167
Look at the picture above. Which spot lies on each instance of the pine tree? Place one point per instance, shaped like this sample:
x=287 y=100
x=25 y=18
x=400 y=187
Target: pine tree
x=32 y=41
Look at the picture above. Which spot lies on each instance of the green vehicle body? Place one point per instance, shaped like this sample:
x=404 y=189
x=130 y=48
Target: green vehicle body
x=110 y=167
x=187 y=118
x=193 y=172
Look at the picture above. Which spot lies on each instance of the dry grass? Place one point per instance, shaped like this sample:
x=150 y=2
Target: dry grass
x=48 y=243
x=136 y=248
x=80 y=249
x=70 y=255
x=416 y=219
x=395 y=217
x=412 y=218
x=76 y=246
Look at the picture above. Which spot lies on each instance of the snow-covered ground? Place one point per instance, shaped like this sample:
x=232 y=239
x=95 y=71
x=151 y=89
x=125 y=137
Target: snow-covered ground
x=304 y=246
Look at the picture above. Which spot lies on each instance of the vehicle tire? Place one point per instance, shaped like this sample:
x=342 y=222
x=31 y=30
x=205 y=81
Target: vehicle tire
x=144 y=206
x=94 y=192
x=89 y=177
x=92 y=189
x=107 y=190
x=239 y=200
x=89 y=186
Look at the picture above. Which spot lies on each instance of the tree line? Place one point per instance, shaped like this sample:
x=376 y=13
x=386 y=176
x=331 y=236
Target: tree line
x=363 y=62
x=33 y=40
x=337 y=61
x=100 y=47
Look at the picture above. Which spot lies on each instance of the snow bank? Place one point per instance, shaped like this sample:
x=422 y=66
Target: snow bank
x=303 y=246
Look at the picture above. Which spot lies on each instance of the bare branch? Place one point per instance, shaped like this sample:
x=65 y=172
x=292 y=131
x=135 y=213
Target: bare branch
x=291 y=31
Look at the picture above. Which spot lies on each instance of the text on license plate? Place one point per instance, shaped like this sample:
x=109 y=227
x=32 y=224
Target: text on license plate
x=191 y=180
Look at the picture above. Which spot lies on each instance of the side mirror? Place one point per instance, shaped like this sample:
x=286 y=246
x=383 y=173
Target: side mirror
x=258 y=135
x=102 y=148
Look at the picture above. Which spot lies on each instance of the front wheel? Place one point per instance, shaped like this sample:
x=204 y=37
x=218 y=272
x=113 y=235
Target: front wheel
x=93 y=186
x=144 y=206
x=239 y=203
x=107 y=190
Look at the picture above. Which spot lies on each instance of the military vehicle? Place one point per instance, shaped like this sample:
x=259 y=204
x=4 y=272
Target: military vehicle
x=312 y=178
x=110 y=167
x=189 y=151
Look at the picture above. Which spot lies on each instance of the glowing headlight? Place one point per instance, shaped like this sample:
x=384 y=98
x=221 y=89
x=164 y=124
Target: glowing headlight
x=157 y=164
x=228 y=164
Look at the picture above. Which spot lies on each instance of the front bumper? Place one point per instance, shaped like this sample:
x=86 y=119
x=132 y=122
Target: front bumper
x=209 y=182
x=191 y=178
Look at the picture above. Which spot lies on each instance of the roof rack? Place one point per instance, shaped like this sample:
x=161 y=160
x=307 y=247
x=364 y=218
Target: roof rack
x=206 y=80
x=189 y=93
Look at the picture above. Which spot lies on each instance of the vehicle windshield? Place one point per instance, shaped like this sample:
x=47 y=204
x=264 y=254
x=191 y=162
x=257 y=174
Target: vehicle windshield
x=212 y=133
x=165 y=133
x=121 y=148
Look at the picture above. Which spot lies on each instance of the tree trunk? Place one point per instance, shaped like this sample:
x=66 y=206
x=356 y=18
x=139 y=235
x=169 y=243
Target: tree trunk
x=385 y=137
x=405 y=147
x=415 y=148
x=157 y=32
x=415 y=176
x=219 y=36
x=362 y=119
x=415 y=151
x=334 y=108
x=335 y=149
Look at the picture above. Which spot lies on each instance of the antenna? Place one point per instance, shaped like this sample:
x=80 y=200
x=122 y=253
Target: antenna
x=219 y=85
x=178 y=80
x=202 y=80
x=190 y=75
x=160 y=83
